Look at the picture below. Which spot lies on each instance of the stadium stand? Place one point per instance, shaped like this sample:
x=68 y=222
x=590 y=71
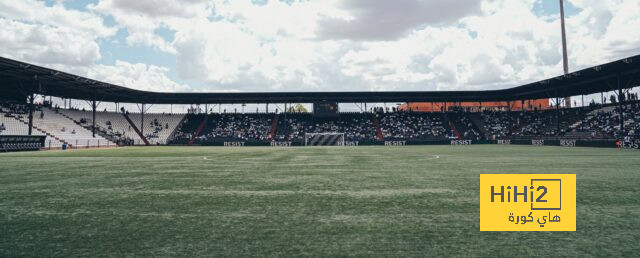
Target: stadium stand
x=408 y=125
x=111 y=125
x=67 y=130
x=157 y=127
x=73 y=126
x=9 y=125
x=12 y=118
x=247 y=127
x=186 y=130
x=355 y=126
x=60 y=128
x=497 y=125
x=465 y=126
x=114 y=125
x=224 y=127
x=491 y=124
x=603 y=122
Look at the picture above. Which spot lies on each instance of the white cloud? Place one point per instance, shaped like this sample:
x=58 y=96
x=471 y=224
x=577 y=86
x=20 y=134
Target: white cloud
x=68 y=40
x=258 y=48
x=251 y=47
x=604 y=31
x=157 y=8
x=141 y=18
x=481 y=52
x=50 y=35
x=261 y=48
x=46 y=45
x=390 y=20
x=327 y=45
x=136 y=76
x=36 y=12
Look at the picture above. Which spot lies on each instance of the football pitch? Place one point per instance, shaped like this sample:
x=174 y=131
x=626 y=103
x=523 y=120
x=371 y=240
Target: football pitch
x=364 y=201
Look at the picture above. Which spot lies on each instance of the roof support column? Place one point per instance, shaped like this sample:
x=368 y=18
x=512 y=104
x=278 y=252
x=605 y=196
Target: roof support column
x=31 y=107
x=621 y=98
x=142 y=120
x=558 y=115
x=93 y=121
x=510 y=116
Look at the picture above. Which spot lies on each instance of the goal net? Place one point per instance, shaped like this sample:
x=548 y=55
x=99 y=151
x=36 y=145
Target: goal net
x=324 y=139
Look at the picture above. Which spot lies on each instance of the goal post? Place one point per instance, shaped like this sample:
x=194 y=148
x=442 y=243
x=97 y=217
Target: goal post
x=324 y=139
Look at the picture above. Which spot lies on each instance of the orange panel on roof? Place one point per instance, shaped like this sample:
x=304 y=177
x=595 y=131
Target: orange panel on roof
x=439 y=106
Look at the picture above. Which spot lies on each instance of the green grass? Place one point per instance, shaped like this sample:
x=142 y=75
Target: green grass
x=383 y=201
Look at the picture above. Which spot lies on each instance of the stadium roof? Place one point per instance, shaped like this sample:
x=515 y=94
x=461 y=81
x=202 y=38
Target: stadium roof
x=19 y=79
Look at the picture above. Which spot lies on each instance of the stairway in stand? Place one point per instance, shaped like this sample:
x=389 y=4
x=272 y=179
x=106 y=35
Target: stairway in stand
x=135 y=128
x=476 y=119
x=453 y=127
x=198 y=131
x=175 y=129
x=274 y=128
x=376 y=123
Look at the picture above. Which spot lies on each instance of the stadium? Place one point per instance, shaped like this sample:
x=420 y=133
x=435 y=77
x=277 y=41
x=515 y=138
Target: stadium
x=88 y=169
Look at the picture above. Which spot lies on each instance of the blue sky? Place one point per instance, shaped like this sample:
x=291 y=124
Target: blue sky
x=552 y=7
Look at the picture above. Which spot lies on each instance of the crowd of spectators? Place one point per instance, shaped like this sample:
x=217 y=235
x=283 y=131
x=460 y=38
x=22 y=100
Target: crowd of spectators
x=356 y=127
x=497 y=124
x=535 y=123
x=410 y=125
x=605 y=122
x=243 y=127
x=17 y=110
x=119 y=138
x=541 y=123
x=599 y=121
x=465 y=127
x=634 y=126
x=189 y=125
x=157 y=127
